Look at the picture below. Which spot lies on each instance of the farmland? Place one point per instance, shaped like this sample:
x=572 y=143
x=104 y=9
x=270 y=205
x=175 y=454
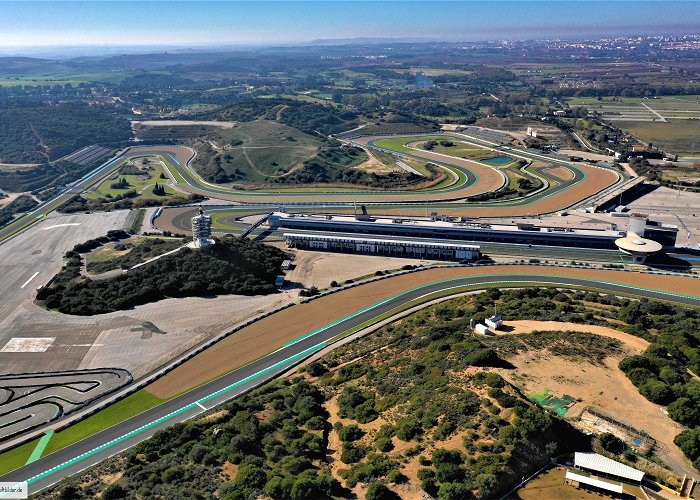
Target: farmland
x=671 y=122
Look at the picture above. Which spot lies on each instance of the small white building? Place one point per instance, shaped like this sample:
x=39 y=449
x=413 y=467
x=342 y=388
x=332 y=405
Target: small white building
x=494 y=322
x=479 y=328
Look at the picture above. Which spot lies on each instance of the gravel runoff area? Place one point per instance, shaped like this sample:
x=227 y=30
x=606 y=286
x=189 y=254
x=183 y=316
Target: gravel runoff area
x=274 y=331
x=30 y=400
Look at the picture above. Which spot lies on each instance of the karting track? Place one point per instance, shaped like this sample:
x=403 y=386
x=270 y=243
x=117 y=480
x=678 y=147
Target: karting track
x=72 y=459
x=30 y=400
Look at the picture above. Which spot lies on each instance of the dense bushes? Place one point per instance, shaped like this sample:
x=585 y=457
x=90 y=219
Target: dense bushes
x=19 y=205
x=20 y=126
x=137 y=253
x=232 y=266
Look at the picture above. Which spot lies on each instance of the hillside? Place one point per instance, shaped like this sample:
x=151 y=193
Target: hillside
x=232 y=266
x=407 y=409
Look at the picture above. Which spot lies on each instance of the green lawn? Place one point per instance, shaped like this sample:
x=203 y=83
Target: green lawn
x=142 y=184
x=16 y=457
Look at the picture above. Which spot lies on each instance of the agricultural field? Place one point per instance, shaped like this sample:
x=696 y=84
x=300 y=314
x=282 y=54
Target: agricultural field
x=671 y=122
x=674 y=136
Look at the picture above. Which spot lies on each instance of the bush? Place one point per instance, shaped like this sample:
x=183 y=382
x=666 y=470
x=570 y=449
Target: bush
x=379 y=491
x=611 y=443
x=408 y=428
x=352 y=454
x=350 y=433
x=113 y=492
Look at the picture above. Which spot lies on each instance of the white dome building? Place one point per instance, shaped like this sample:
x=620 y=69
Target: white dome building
x=636 y=246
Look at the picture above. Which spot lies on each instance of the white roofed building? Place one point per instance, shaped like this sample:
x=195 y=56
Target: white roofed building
x=600 y=465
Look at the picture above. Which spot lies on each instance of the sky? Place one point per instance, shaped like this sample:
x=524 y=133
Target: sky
x=196 y=23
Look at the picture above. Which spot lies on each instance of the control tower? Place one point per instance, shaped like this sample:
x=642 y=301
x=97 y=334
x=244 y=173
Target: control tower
x=201 y=230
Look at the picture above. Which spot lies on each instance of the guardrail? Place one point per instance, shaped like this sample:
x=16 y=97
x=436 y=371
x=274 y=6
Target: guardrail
x=156 y=374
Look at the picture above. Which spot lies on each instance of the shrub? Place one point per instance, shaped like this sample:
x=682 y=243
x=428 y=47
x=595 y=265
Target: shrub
x=611 y=443
x=379 y=491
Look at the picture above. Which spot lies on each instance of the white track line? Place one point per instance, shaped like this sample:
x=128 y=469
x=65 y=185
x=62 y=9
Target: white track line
x=61 y=225
x=200 y=405
x=30 y=279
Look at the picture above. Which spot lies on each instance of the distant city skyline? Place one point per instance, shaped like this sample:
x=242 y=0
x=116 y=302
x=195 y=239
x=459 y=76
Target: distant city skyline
x=202 y=23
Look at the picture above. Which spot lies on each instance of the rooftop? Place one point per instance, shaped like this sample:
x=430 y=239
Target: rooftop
x=605 y=465
x=382 y=240
x=518 y=227
x=634 y=243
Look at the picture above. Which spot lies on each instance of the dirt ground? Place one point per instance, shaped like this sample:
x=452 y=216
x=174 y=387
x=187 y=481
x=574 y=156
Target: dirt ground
x=562 y=173
x=550 y=486
x=270 y=333
x=319 y=269
x=527 y=326
x=604 y=386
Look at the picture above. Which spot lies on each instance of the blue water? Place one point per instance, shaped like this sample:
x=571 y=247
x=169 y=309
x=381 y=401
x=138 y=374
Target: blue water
x=498 y=160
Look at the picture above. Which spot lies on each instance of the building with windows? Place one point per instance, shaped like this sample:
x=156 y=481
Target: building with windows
x=435 y=250
x=446 y=227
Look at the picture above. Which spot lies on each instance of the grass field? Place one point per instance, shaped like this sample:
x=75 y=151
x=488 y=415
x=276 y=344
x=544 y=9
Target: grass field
x=126 y=408
x=677 y=136
x=142 y=183
x=257 y=149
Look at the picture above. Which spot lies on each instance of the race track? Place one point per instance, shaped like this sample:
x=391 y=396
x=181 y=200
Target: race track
x=78 y=456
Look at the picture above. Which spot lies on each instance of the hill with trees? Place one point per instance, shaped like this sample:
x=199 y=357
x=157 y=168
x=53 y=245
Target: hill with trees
x=232 y=266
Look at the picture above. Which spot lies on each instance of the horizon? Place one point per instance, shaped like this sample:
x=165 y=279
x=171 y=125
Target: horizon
x=35 y=27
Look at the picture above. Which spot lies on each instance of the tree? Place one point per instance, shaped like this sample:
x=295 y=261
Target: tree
x=454 y=491
x=611 y=443
x=689 y=442
x=114 y=492
x=379 y=491
x=685 y=411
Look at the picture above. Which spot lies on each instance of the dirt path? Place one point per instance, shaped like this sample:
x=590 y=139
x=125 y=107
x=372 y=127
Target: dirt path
x=40 y=141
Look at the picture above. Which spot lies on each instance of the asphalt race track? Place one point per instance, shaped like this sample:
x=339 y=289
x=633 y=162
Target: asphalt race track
x=56 y=466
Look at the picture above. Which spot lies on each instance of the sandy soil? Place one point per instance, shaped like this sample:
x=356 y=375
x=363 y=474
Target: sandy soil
x=604 y=386
x=586 y=155
x=319 y=269
x=562 y=173
x=550 y=485
x=272 y=332
x=527 y=326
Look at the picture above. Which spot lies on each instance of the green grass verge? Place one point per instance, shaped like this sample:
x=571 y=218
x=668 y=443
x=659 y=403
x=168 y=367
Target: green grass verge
x=126 y=408
x=16 y=457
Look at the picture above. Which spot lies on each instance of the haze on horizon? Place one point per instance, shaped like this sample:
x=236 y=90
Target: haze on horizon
x=201 y=23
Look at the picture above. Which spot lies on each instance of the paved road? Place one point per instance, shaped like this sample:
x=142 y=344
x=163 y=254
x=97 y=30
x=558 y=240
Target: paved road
x=70 y=460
